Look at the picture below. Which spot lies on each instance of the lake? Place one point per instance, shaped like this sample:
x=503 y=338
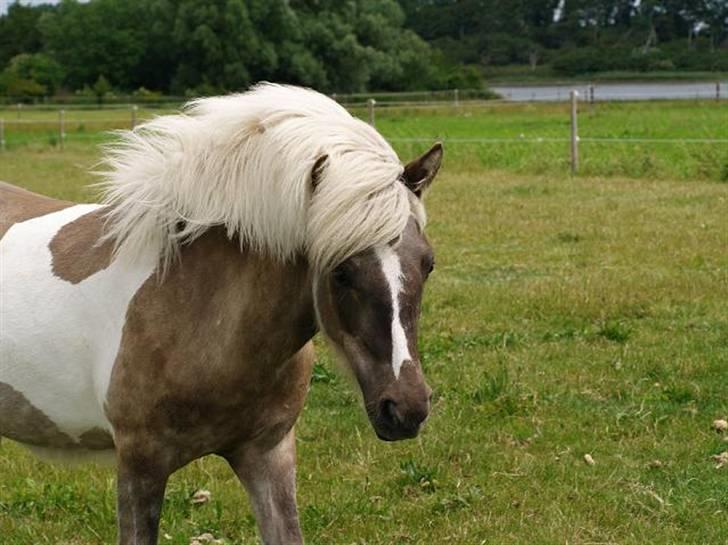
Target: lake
x=613 y=91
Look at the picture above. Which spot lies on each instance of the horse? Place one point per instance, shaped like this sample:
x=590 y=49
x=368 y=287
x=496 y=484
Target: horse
x=175 y=319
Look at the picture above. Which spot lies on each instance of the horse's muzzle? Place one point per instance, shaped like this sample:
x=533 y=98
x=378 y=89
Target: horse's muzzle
x=401 y=419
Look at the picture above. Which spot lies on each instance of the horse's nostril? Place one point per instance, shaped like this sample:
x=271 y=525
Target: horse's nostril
x=389 y=412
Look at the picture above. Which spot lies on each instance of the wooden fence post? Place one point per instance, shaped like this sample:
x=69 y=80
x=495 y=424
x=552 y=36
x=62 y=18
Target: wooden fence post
x=371 y=102
x=2 y=135
x=456 y=97
x=574 y=134
x=61 y=128
x=134 y=109
x=717 y=90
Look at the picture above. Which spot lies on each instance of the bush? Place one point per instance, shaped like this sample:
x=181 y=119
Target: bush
x=581 y=61
x=31 y=75
x=145 y=95
x=13 y=85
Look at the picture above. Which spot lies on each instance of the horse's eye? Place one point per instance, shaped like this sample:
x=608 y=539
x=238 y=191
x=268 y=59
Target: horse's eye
x=341 y=277
x=430 y=265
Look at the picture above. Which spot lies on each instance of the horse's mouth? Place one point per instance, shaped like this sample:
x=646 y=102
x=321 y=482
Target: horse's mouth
x=398 y=436
x=390 y=433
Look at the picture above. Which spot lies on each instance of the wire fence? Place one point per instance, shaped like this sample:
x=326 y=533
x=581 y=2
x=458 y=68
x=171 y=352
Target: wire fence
x=717 y=90
x=27 y=124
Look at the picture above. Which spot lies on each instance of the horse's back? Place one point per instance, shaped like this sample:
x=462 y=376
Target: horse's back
x=17 y=204
x=63 y=306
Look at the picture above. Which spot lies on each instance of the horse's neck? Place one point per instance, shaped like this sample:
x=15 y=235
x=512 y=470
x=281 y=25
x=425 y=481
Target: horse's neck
x=255 y=306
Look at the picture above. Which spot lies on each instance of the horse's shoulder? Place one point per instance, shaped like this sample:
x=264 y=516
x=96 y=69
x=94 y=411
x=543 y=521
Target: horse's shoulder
x=18 y=204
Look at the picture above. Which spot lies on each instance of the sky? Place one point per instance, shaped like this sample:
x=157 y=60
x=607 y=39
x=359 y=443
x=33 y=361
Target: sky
x=5 y=3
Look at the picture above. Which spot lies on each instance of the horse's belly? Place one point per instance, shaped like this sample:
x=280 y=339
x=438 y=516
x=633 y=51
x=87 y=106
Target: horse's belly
x=58 y=339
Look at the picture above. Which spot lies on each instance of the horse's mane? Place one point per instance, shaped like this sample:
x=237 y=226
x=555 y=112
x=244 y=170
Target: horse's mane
x=245 y=161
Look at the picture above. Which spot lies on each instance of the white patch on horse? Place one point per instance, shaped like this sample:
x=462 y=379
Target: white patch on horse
x=393 y=273
x=60 y=340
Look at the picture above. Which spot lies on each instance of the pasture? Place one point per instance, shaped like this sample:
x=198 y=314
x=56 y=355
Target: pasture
x=566 y=316
x=678 y=140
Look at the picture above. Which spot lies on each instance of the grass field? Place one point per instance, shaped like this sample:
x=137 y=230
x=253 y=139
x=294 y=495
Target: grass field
x=567 y=316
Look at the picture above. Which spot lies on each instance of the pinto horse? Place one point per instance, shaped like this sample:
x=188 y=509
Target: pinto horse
x=175 y=319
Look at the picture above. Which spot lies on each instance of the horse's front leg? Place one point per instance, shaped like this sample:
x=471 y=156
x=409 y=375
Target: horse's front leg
x=141 y=480
x=270 y=478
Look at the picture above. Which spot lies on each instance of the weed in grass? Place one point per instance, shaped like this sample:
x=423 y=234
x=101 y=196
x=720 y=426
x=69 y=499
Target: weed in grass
x=679 y=394
x=459 y=500
x=322 y=374
x=568 y=238
x=530 y=190
x=316 y=517
x=493 y=386
x=656 y=372
x=414 y=475
x=565 y=334
x=724 y=172
x=615 y=331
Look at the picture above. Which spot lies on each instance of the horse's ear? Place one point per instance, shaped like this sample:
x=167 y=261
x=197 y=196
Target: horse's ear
x=418 y=174
x=317 y=170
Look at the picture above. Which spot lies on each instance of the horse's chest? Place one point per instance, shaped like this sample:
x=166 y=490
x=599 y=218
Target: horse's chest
x=212 y=413
x=60 y=333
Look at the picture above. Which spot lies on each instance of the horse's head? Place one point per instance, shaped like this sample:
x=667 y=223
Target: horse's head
x=368 y=307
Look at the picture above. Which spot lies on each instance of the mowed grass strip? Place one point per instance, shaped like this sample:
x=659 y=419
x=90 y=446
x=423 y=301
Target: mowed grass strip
x=565 y=317
x=505 y=136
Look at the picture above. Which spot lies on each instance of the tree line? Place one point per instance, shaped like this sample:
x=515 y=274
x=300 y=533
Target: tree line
x=193 y=47
x=189 y=47
x=577 y=36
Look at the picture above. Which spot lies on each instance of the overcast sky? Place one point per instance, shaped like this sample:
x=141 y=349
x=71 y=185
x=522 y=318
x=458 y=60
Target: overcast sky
x=5 y=3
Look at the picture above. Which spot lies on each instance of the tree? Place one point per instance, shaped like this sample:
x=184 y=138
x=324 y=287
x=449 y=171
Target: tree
x=101 y=88
x=99 y=37
x=19 y=31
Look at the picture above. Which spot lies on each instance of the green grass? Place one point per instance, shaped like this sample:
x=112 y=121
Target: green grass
x=521 y=125
x=566 y=316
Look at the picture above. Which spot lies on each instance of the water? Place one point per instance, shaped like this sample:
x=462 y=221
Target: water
x=614 y=91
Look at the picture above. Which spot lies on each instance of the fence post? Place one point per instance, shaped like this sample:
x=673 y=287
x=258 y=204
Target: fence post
x=2 y=135
x=574 y=134
x=134 y=109
x=717 y=90
x=62 y=128
x=591 y=93
x=456 y=96
x=371 y=102
x=19 y=106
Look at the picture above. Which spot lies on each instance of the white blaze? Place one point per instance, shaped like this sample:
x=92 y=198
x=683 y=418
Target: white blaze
x=393 y=273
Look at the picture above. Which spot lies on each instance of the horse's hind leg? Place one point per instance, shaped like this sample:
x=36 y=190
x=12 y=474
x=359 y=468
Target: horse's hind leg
x=141 y=481
x=270 y=479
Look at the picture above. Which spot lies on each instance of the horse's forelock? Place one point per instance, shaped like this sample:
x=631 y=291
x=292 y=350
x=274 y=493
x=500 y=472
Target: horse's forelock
x=245 y=161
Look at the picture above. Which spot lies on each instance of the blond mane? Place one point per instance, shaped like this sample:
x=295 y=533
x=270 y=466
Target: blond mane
x=245 y=161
